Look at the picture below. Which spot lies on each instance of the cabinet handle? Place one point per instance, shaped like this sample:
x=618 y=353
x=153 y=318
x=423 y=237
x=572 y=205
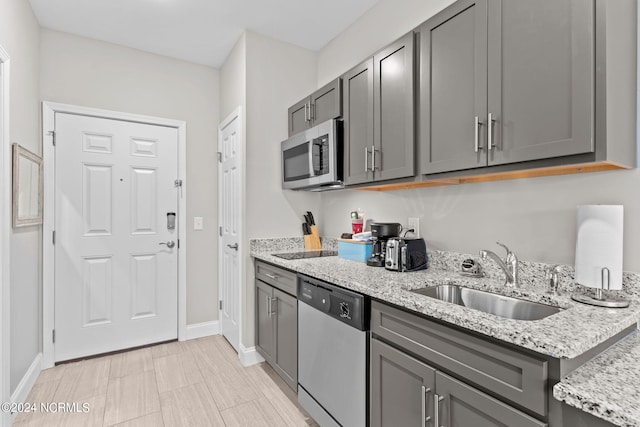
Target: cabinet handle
x=476 y=131
x=366 y=159
x=425 y=418
x=312 y=111
x=436 y=409
x=490 y=123
x=272 y=276
x=271 y=312
x=373 y=158
x=268 y=301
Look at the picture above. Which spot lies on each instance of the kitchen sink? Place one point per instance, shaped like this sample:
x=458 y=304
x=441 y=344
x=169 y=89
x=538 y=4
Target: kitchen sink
x=499 y=305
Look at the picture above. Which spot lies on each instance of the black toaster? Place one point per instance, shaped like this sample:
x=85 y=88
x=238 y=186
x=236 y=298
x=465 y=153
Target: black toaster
x=406 y=254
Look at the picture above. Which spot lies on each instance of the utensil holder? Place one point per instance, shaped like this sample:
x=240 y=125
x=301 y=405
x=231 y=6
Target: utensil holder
x=312 y=241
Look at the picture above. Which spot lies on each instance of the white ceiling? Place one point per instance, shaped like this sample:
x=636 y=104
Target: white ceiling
x=200 y=31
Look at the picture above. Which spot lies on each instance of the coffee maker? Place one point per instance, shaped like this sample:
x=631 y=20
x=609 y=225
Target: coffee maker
x=381 y=232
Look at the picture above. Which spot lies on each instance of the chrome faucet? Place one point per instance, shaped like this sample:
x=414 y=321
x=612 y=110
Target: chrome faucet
x=509 y=265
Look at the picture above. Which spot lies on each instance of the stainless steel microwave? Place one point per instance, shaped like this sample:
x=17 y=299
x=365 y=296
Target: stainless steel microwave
x=312 y=159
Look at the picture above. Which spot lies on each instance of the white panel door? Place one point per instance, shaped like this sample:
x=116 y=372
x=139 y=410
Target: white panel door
x=229 y=178
x=116 y=260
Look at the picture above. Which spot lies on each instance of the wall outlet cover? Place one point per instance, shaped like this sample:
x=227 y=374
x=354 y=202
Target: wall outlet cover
x=415 y=224
x=198 y=223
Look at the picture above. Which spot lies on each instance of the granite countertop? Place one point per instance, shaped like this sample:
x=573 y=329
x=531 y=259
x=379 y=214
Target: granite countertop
x=608 y=386
x=566 y=334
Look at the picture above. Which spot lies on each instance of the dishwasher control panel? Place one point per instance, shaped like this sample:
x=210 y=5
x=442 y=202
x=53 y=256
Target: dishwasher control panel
x=342 y=304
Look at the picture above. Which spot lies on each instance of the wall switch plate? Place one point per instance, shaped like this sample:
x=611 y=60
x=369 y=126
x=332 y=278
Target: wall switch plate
x=415 y=224
x=198 y=223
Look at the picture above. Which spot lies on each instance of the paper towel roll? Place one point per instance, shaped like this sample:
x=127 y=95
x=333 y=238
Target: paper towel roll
x=599 y=245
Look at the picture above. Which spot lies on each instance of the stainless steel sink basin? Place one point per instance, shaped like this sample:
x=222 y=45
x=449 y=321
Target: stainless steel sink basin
x=511 y=308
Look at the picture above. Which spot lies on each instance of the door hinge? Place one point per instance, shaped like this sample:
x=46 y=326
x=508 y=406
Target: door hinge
x=177 y=183
x=220 y=228
x=53 y=335
x=220 y=304
x=53 y=137
x=219 y=153
x=53 y=237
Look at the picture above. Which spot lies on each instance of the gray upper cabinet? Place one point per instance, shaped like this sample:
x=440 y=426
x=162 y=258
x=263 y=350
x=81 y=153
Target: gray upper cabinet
x=393 y=101
x=358 y=119
x=322 y=105
x=379 y=115
x=453 y=88
x=506 y=82
x=540 y=79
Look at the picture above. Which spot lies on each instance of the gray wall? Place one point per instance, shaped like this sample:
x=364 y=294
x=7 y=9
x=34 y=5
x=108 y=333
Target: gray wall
x=19 y=32
x=81 y=71
x=535 y=217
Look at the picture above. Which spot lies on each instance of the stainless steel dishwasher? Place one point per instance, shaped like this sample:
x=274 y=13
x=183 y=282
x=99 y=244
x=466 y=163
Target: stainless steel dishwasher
x=333 y=357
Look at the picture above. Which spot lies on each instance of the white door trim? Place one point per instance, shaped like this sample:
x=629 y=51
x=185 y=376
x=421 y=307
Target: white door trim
x=237 y=113
x=48 y=301
x=5 y=236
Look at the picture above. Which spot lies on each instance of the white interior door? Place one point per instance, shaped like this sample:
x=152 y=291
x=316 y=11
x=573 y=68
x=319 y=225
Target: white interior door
x=116 y=258
x=229 y=207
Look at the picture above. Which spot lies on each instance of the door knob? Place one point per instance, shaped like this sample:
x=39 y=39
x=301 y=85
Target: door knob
x=170 y=244
x=234 y=246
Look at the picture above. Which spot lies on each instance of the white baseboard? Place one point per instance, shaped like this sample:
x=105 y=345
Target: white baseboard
x=27 y=382
x=249 y=356
x=204 y=329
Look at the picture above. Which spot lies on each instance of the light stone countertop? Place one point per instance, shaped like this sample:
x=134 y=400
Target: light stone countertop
x=608 y=386
x=566 y=334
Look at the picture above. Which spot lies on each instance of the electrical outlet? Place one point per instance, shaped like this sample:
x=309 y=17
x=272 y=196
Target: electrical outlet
x=198 y=223
x=415 y=224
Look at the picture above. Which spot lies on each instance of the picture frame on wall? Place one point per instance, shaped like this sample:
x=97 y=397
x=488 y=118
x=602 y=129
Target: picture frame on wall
x=27 y=187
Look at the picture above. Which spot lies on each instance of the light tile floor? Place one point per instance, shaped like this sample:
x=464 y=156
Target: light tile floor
x=194 y=383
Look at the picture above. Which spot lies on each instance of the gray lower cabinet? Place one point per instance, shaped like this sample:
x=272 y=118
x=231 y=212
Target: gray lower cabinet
x=277 y=320
x=379 y=137
x=322 y=105
x=503 y=82
x=468 y=381
x=408 y=392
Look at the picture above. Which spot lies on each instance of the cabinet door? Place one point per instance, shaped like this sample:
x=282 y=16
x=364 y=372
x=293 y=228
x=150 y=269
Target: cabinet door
x=402 y=388
x=453 y=88
x=286 y=337
x=326 y=102
x=464 y=406
x=393 y=102
x=541 y=78
x=358 y=123
x=265 y=332
x=299 y=117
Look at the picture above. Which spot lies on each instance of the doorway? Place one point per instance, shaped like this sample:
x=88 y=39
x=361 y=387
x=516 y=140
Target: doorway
x=230 y=185
x=114 y=231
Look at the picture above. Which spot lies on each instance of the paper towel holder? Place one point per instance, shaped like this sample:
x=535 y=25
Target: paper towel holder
x=600 y=299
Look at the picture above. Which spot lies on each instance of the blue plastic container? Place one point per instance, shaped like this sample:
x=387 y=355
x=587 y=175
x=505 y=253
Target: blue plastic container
x=354 y=250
